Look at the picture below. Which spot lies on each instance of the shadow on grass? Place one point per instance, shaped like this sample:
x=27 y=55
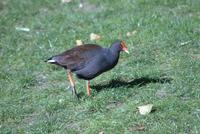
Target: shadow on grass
x=130 y=83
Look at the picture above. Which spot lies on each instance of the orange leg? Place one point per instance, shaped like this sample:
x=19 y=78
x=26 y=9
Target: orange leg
x=88 y=87
x=72 y=83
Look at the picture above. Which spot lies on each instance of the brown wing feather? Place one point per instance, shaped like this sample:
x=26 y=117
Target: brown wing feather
x=76 y=58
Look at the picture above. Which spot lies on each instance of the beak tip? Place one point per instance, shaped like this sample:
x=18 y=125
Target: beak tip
x=127 y=51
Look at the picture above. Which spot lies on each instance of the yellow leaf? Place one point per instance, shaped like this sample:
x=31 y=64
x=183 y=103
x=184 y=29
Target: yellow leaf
x=94 y=36
x=145 y=109
x=79 y=42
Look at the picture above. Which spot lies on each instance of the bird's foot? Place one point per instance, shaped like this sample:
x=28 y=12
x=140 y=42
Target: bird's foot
x=74 y=93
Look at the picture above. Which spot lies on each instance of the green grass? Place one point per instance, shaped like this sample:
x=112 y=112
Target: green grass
x=34 y=97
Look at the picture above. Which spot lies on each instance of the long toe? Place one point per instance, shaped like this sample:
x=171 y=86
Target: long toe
x=74 y=93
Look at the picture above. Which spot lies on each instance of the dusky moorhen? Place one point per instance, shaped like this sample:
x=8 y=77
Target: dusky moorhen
x=88 y=61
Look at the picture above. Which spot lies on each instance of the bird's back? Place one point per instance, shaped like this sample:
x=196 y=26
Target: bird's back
x=77 y=57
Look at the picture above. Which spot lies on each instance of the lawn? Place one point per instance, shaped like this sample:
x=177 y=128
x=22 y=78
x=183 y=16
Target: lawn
x=163 y=67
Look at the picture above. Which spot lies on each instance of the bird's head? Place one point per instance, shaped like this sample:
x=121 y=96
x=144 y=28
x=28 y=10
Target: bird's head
x=124 y=47
x=118 y=46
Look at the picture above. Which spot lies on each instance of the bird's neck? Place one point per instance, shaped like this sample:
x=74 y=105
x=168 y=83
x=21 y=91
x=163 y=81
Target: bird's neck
x=112 y=55
x=115 y=50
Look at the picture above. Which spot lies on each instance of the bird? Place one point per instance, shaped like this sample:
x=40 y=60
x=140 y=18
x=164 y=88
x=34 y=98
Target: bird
x=88 y=61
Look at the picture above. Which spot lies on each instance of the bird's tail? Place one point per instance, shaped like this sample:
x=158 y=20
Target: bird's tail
x=51 y=60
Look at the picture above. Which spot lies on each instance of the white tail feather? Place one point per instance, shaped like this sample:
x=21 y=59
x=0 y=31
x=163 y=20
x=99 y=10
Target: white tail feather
x=51 y=61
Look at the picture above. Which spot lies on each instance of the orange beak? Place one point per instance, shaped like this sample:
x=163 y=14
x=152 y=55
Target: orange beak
x=124 y=48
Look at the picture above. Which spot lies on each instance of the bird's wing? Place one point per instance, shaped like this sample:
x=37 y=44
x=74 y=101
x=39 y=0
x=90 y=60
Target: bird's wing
x=76 y=58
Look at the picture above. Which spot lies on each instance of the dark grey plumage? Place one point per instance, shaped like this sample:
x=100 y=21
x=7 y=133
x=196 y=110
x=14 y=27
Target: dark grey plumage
x=89 y=60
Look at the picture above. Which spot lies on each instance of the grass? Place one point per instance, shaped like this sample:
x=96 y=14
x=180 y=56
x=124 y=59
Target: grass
x=162 y=69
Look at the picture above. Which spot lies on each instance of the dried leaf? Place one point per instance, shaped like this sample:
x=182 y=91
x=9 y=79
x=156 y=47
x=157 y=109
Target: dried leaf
x=101 y=132
x=79 y=42
x=128 y=34
x=65 y=1
x=94 y=36
x=134 y=32
x=139 y=128
x=145 y=109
